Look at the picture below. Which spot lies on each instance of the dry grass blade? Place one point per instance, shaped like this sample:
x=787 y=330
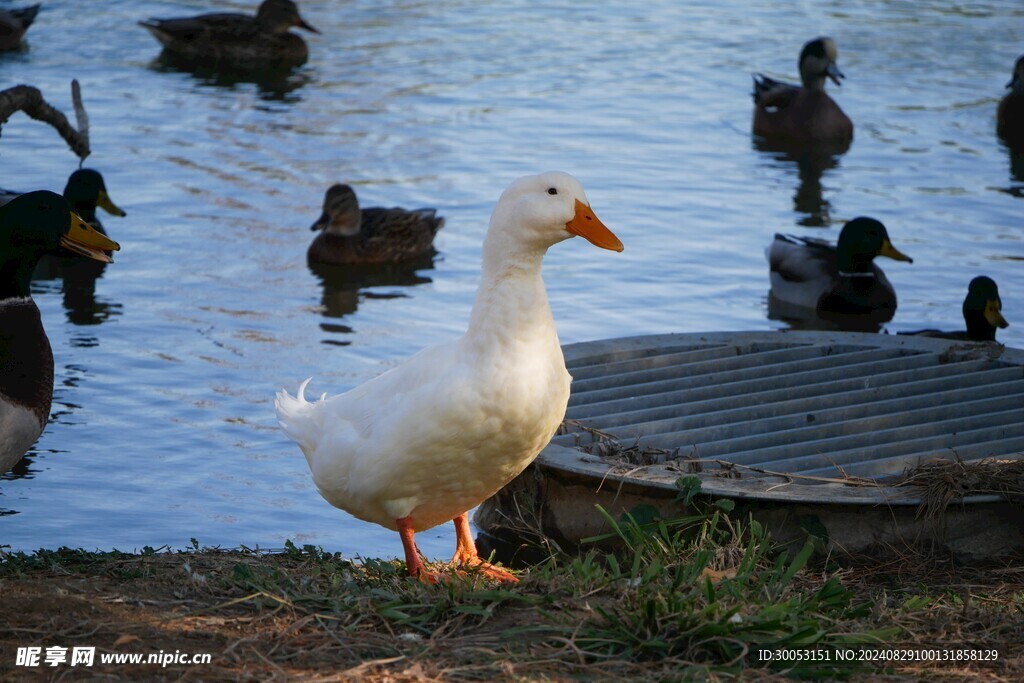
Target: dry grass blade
x=941 y=482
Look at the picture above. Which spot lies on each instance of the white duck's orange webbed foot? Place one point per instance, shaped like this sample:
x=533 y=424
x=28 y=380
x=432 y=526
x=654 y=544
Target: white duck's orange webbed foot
x=467 y=556
x=432 y=578
x=482 y=567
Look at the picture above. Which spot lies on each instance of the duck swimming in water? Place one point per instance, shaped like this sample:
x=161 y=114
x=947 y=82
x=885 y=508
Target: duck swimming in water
x=803 y=113
x=237 y=40
x=839 y=280
x=430 y=439
x=86 y=190
x=350 y=235
x=982 y=310
x=32 y=225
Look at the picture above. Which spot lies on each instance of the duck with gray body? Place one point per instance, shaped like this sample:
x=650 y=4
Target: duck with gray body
x=238 y=40
x=803 y=113
x=350 y=235
x=14 y=23
x=840 y=280
x=32 y=225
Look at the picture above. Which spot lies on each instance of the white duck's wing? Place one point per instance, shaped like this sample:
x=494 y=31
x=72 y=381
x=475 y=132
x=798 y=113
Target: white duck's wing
x=366 y=447
x=342 y=422
x=802 y=269
x=431 y=438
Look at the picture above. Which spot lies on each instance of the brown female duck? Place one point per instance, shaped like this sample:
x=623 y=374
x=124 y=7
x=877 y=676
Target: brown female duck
x=803 y=113
x=1010 y=115
x=238 y=40
x=13 y=24
x=350 y=235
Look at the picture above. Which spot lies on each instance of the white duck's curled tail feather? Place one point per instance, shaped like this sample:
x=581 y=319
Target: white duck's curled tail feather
x=298 y=417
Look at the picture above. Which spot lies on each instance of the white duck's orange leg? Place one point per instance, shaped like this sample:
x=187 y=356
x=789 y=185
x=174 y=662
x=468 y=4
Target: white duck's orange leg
x=413 y=563
x=466 y=554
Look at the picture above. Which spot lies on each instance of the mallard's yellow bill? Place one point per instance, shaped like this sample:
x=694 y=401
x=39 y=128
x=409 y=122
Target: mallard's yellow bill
x=86 y=240
x=589 y=227
x=994 y=314
x=105 y=203
x=893 y=253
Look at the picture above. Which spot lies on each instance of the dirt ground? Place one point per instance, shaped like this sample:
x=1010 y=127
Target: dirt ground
x=226 y=604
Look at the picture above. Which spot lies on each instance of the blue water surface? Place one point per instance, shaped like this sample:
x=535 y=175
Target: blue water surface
x=163 y=426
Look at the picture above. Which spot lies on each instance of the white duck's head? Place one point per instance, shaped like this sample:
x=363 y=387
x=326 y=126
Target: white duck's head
x=539 y=211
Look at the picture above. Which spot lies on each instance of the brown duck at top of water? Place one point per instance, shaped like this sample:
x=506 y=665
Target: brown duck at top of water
x=350 y=235
x=1010 y=115
x=803 y=113
x=240 y=40
x=13 y=24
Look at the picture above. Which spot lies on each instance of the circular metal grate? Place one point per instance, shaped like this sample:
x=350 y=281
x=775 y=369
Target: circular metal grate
x=791 y=415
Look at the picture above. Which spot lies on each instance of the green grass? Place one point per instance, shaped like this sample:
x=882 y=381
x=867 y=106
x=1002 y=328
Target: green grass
x=679 y=598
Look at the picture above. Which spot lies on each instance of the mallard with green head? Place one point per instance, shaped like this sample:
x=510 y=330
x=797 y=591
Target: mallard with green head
x=840 y=280
x=237 y=40
x=32 y=225
x=86 y=190
x=983 y=314
x=803 y=113
x=350 y=235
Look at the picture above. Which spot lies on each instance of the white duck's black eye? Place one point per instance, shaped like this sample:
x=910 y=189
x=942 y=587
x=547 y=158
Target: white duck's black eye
x=552 y=190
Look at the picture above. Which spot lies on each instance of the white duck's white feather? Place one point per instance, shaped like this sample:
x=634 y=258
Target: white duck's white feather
x=442 y=432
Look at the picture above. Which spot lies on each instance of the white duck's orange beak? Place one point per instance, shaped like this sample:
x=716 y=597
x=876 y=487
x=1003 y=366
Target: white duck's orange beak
x=589 y=227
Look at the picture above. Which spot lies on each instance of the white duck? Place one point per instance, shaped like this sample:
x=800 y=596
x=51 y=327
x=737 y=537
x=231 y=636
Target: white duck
x=432 y=438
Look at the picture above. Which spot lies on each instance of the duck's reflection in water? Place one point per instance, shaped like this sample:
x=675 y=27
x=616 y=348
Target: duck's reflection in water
x=1016 y=172
x=804 y=318
x=272 y=83
x=811 y=162
x=78 y=278
x=344 y=287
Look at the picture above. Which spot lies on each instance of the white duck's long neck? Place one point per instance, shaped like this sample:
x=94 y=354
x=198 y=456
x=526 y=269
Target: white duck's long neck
x=511 y=302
